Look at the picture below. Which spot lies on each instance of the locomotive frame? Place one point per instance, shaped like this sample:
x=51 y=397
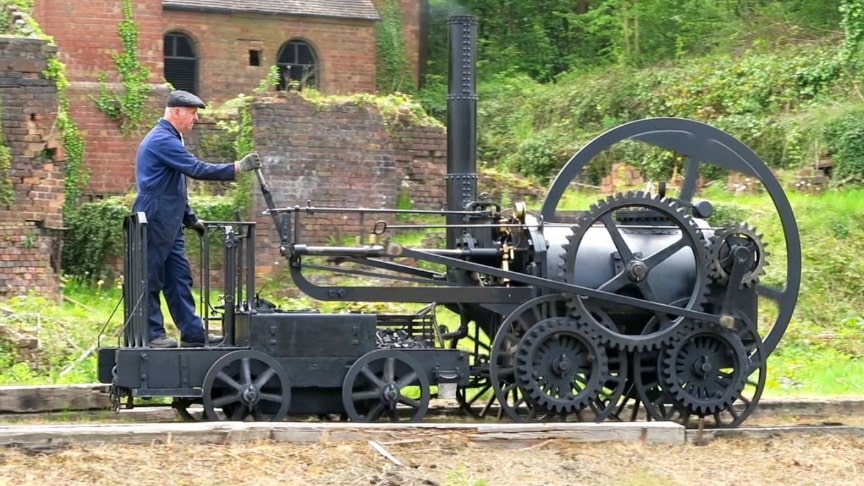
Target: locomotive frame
x=638 y=310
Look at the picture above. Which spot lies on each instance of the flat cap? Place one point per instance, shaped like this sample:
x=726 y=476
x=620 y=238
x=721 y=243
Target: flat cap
x=184 y=98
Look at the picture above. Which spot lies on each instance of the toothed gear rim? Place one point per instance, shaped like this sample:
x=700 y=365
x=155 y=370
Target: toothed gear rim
x=560 y=367
x=691 y=238
x=720 y=253
x=706 y=370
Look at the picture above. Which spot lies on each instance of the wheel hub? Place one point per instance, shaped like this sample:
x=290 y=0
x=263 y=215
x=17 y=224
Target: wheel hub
x=561 y=365
x=390 y=394
x=637 y=270
x=249 y=395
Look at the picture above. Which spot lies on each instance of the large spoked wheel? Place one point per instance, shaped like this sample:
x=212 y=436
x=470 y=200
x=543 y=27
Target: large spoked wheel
x=704 y=148
x=386 y=385
x=244 y=384
x=502 y=367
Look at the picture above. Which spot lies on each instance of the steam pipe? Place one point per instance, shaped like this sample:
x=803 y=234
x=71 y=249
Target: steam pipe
x=461 y=178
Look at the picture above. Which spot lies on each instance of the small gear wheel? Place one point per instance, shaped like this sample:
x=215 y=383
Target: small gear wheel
x=559 y=367
x=705 y=371
x=628 y=222
x=722 y=246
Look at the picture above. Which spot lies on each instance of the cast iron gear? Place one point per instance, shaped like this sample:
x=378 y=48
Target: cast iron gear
x=634 y=275
x=560 y=367
x=721 y=249
x=705 y=371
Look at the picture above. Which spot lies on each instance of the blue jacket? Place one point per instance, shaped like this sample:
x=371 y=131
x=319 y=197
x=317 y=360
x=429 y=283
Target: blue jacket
x=161 y=167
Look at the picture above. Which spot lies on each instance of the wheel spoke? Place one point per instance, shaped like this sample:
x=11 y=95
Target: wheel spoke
x=617 y=238
x=228 y=380
x=226 y=399
x=264 y=378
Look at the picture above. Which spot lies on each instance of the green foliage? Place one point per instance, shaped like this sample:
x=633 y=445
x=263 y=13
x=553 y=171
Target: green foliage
x=129 y=108
x=844 y=137
x=7 y=192
x=94 y=234
x=392 y=70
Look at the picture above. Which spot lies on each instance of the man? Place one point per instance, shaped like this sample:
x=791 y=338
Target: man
x=161 y=168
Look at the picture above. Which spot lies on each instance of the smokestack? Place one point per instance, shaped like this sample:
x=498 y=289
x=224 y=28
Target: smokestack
x=461 y=121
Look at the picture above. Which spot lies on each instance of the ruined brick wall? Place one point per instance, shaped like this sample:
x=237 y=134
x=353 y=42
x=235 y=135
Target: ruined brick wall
x=340 y=155
x=30 y=225
x=85 y=33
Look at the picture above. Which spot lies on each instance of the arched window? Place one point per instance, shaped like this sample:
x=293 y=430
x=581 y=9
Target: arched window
x=181 y=62
x=298 y=66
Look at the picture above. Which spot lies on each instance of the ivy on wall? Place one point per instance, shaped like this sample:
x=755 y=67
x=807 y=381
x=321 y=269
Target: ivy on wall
x=129 y=109
x=7 y=192
x=392 y=70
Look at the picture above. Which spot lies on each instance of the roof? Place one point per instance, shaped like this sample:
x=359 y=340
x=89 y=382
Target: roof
x=350 y=9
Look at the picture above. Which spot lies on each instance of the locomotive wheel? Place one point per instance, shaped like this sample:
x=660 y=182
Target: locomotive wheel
x=560 y=367
x=720 y=253
x=706 y=370
x=511 y=398
x=746 y=401
x=643 y=275
x=649 y=389
x=702 y=146
x=476 y=397
x=246 y=384
x=388 y=385
x=647 y=386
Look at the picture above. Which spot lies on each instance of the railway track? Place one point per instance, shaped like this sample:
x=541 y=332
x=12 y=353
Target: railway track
x=46 y=417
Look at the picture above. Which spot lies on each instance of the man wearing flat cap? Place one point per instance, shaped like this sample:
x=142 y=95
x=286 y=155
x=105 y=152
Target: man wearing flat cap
x=161 y=168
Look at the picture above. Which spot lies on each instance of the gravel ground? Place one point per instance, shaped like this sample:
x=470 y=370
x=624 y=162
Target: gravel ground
x=449 y=460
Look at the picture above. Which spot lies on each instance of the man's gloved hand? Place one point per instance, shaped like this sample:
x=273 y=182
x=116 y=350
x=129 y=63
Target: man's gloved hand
x=250 y=161
x=199 y=228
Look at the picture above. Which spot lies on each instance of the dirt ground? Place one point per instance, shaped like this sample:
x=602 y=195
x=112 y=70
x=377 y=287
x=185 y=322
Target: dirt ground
x=448 y=461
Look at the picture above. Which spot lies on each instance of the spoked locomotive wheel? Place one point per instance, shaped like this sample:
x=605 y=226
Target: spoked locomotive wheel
x=246 y=384
x=386 y=385
x=704 y=149
x=562 y=369
x=476 y=397
x=502 y=367
x=753 y=377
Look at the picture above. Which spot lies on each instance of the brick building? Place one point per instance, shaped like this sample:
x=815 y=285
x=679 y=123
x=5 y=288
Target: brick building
x=218 y=49
x=215 y=48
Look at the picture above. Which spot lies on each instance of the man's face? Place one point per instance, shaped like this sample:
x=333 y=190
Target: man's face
x=185 y=117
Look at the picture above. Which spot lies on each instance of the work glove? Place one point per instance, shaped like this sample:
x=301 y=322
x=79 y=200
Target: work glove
x=250 y=161
x=199 y=227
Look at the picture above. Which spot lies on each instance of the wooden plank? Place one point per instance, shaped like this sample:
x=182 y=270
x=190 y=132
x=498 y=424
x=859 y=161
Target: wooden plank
x=42 y=398
x=305 y=432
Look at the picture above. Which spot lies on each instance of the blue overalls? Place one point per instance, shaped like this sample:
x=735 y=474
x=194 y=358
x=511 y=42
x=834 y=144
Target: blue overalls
x=161 y=167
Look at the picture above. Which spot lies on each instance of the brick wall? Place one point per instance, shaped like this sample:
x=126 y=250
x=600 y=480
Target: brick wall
x=29 y=227
x=85 y=33
x=340 y=155
x=345 y=49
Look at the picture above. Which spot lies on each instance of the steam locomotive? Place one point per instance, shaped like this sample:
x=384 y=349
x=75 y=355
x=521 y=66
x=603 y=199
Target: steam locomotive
x=637 y=308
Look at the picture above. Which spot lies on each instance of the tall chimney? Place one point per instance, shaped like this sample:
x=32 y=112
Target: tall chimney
x=461 y=121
